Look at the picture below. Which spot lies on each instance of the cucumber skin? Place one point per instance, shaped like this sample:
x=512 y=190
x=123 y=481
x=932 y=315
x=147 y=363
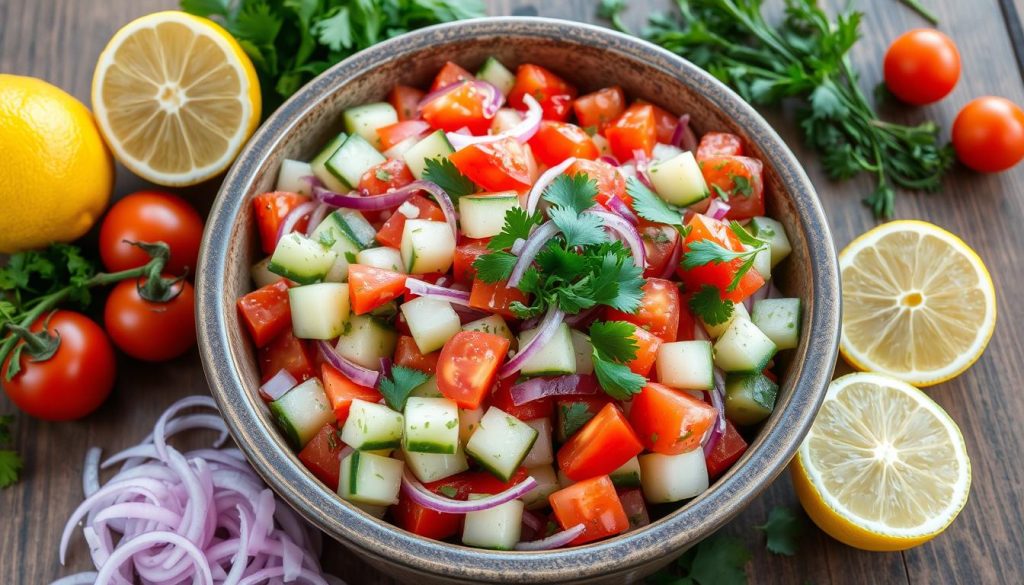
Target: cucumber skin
x=497 y=473
x=626 y=480
x=377 y=445
x=284 y=272
x=428 y=447
x=353 y=472
x=291 y=435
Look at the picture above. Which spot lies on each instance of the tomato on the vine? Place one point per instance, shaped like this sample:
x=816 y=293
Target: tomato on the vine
x=70 y=383
x=151 y=216
x=148 y=330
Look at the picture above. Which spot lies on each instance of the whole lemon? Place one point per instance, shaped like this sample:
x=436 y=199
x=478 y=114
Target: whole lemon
x=57 y=173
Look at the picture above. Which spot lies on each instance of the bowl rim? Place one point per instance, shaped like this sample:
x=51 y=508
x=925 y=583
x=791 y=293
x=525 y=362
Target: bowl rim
x=775 y=445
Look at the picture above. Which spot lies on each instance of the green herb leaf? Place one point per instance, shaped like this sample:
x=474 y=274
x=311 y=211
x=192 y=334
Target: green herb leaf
x=614 y=340
x=744 y=236
x=573 y=192
x=447 y=176
x=518 y=225
x=574 y=416
x=397 y=387
x=708 y=252
x=616 y=379
x=617 y=281
x=494 y=267
x=10 y=468
x=708 y=304
x=720 y=560
x=783 y=530
x=448 y=491
x=649 y=206
x=578 y=229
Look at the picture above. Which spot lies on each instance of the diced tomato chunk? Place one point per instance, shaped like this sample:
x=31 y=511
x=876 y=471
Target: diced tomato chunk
x=286 y=352
x=609 y=180
x=726 y=452
x=341 y=392
x=468 y=366
x=465 y=255
x=719 y=275
x=390 y=234
x=552 y=93
x=406 y=101
x=387 y=176
x=503 y=165
x=741 y=179
x=320 y=456
x=495 y=297
x=501 y=398
x=635 y=129
x=424 y=521
x=603 y=445
x=370 y=287
x=660 y=243
x=266 y=312
x=575 y=411
x=598 y=109
x=719 y=144
x=394 y=133
x=664 y=124
x=449 y=74
x=462 y=107
x=669 y=421
x=475 y=482
x=687 y=323
x=593 y=503
x=271 y=209
x=647 y=345
x=408 y=354
x=659 y=309
x=556 y=141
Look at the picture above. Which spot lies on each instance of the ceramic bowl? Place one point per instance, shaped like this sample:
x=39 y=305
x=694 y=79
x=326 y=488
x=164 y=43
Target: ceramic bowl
x=590 y=57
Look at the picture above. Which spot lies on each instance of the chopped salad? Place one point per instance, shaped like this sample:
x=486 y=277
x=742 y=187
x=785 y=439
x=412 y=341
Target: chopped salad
x=505 y=314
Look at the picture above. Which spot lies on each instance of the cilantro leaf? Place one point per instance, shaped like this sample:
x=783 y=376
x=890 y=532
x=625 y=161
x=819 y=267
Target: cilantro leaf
x=206 y=7
x=616 y=379
x=257 y=22
x=578 y=229
x=495 y=266
x=707 y=252
x=617 y=282
x=517 y=226
x=720 y=560
x=742 y=186
x=5 y=428
x=708 y=304
x=397 y=387
x=722 y=193
x=782 y=530
x=744 y=236
x=555 y=259
x=575 y=192
x=574 y=416
x=33 y=274
x=649 y=206
x=10 y=468
x=614 y=340
x=443 y=172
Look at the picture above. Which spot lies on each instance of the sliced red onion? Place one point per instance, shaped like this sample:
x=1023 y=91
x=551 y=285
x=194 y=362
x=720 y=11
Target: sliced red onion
x=277 y=385
x=316 y=217
x=468 y=314
x=425 y=289
x=556 y=540
x=619 y=207
x=699 y=333
x=627 y=232
x=533 y=199
x=354 y=372
x=491 y=106
x=533 y=521
x=635 y=507
x=717 y=209
x=391 y=199
x=711 y=441
x=583 y=318
x=428 y=499
x=683 y=135
x=641 y=160
x=609 y=159
x=517 y=246
x=523 y=131
x=534 y=243
x=293 y=217
x=443 y=200
x=91 y=471
x=673 y=260
x=537 y=388
x=545 y=331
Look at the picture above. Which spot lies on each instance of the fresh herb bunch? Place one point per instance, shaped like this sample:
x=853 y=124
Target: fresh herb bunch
x=293 y=41
x=805 y=57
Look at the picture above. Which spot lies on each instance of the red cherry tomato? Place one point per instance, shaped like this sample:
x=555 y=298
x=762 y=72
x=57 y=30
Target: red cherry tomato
x=148 y=330
x=922 y=66
x=74 y=381
x=151 y=216
x=988 y=134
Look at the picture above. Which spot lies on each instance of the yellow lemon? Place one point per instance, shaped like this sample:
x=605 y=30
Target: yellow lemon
x=56 y=174
x=175 y=97
x=883 y=467
x=918 y=303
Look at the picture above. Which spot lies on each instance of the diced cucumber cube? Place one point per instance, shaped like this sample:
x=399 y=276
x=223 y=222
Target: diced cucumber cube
x=431 y=425
x=493 y=72
x=370 y=479
x=686 y=365
x=628 y=475
x=293 y=177
x=671 y=478
x=427 y=389
x=584 y=351
x=505 y=120
x=555 y=358
x=431 y=321
x=493 y=324
x=500 y=442
x=497 y=528
x=547 y=484
x=429 y=467
x=743 y=348
x=663 y=151
x=261 y=274
x=762 y=261
x=779 y=319
x=427 y=246
x=541 y=453
x=469 y=420
x=434 y=145
x=355 y=157
x=749 y=398
x=365 y=340
x=319 y=311
x=366 y=119
x=332 y=233
x=483 y=216
x=384 y=258
x=773 y=232
x=371 y=426
x=301 y=259
x=318 y=164
x=398 y=151
x=678 y=180
x=739 y=311
x=302 y=412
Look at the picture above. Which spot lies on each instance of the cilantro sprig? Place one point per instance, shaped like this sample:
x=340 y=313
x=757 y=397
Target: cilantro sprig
x=703 y=252
x=10 y=461
x=782 y=531
x=446 y=175
x=649 y=206
x=708 y=304
x=614 y=346
x=398 y=384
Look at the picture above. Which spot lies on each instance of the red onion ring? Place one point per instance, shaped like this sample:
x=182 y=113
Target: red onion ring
x=673 y=260
x=277 y=385
x=533 y=244
x=619 y=207
x=354 y=372
x=532 y=521
x=683 y=135
x=545 y=331
x=293 y=217
x=533 y=199
x=428 y=499
x=91 y=471
x=425 y=289
x=391 y=199
x=641 y=160
x=627 y=232
x=583 y=317
x=718 y=209
x=537 y=388
x=556 y=540
x=719 y=403
x=316 y=217
x=491 y=106
x=523 y=131
x=609 y=159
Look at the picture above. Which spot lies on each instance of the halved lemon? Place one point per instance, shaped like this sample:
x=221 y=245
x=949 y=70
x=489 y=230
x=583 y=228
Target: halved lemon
x=918 y=303
x=175 y=97
x=883 y=467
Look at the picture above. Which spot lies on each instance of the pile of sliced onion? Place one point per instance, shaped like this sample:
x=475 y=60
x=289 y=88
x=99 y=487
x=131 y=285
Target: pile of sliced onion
x=556 y=540
x=354 y=200
x=718 y=401
x=683 y=136
x=533 y=198
x=418 y=493
x=203 y=516
x=718 y=209
x=277 y=385
x=352 y=371
x=288 y=224
x=425 y=289
x=537 y=388
x=552 y=319
x=491 y=105
x=627 y=232
x=522 y=131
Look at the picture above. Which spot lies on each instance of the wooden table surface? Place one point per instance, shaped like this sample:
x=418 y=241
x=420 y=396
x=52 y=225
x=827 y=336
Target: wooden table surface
x=59 y=40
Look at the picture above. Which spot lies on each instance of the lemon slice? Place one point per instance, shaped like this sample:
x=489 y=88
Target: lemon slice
x=883 y=467
x=175 y=97
x=918 y=303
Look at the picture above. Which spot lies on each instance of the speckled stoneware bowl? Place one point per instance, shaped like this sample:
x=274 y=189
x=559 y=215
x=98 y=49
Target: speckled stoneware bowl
x=591 y=58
